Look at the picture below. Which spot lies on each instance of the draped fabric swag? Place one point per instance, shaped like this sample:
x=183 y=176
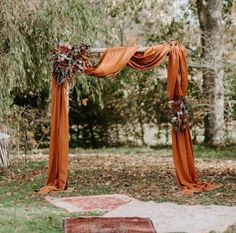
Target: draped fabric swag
x=113 y=61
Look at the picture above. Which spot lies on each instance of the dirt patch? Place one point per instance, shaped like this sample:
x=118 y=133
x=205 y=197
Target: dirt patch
x=151 y=177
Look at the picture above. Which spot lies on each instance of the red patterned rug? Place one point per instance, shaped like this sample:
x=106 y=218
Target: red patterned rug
x=108 y=225
x=99 y=203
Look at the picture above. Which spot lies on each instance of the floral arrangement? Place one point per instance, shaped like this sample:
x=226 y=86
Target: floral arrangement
x=178 y=113
x=67 y=60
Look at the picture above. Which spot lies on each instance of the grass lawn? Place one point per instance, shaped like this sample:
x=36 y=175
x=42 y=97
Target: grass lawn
x=143 y=173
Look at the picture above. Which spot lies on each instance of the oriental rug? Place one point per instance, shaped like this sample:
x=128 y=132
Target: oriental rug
x=108 y=225
x=98 y=203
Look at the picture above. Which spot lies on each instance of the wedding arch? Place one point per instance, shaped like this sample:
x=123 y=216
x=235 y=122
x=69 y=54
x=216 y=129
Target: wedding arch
x=67 y=60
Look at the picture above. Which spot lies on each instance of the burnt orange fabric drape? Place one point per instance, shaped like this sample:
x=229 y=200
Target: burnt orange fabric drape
x=59 y=139
x=112 y=61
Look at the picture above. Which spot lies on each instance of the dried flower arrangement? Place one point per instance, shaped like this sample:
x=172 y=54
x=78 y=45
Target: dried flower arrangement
x=178 y=113
x=67 y=60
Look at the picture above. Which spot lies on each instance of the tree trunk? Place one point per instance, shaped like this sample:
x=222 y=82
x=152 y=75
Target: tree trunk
x=211 y=24
x=139 y=110
x=4 y=155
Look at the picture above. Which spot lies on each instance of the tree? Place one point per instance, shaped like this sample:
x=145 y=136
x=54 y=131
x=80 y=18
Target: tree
x=28 y=31
x=211 y=24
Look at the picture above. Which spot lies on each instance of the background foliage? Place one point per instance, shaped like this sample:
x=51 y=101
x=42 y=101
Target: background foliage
x=119 y=110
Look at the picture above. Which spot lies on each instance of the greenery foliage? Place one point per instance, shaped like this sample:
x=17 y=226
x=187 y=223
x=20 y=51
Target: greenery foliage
x=118 y=109
x=29 y=30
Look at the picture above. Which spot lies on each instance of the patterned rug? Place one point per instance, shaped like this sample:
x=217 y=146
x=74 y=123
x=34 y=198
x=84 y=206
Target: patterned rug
x=82 y=204
x=108 y=225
